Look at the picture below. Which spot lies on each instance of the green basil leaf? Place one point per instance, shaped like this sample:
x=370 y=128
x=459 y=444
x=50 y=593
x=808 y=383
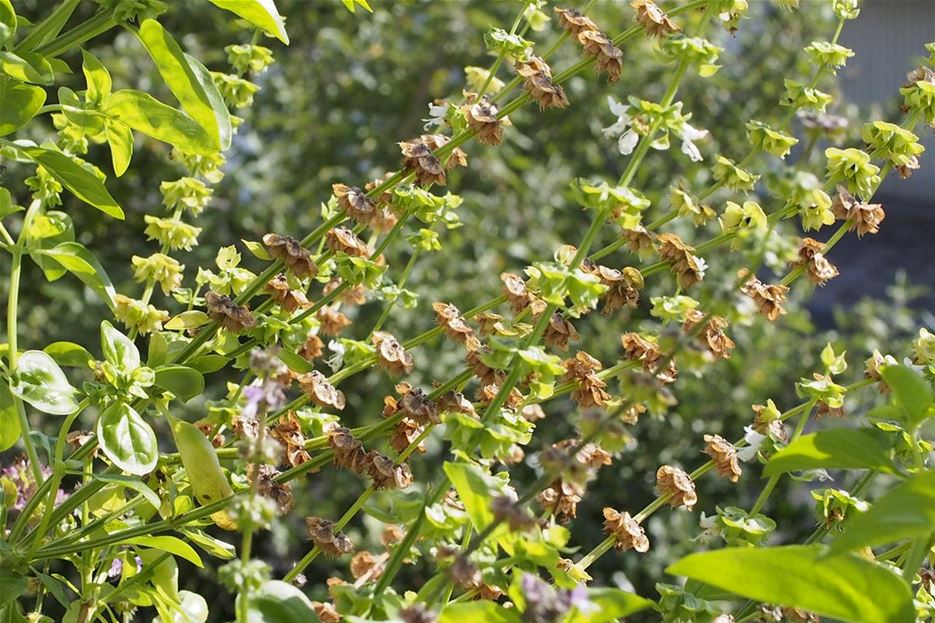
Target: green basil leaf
x=191 y=319
x=96 y=76
x=184 y=382
x=911 y=393
x=847 y=588
x=10 y=430
x=836 y=448
x=127 y=440
x=215 y=547
x=27 y=67
x=7 y=23
x=206 y=364
x=118 y=349
x=80 y=262
x=261 y=13
x=39 y=381
x=476 y=489
x=131 y=482
x=69 y=354
x=21 y=102
x=120 y=140
x=144 y=113
x=279 y=602
x=81 y=182
x=170 y=544
x=190 y=82
x=487 y=611
x=46 y=232
x=611 y=604
x=906 y=511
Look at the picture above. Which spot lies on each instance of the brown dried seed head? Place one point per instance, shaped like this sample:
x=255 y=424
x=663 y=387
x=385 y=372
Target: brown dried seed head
x=687 y=267
x=386 y=474
x=297 y=259
x=332 y=321
x=365 y=565
x=537 y=79
x=627 y=532
x=573 y=21
x=322 y=392
x=456 y=327
x=391 y=356
x=322 y=533
x=819 y=270
x=865 y=217
x=768 y=298
x=355 y=202
x=234 y=318
x=348 y=451
x=608 y=57
x=482 y=118
x=311 y=348
x=288 y=432
x=675 y=483
x=724 y=455
x=326 y=612
x=561 y=499
x=653 y=19
x=343 y=240
x=287 y=298
x=559 y=331
x=712 y=334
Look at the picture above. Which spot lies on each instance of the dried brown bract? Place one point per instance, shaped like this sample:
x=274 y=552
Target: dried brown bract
x=391 y=356
x=326 y=612
x=484 y=373
x=355 y=202
x=456 y=402
x=297 y=259
x=320 y=390
x=559 y=331
x=483 y=118
x=574 y=21
x=724 y=455
x=627 y=532
x=640 y=241
x=312 y=348
x=590 y=391
x=419 y=158
x=712 y=334
x=288 y=432
x=405 y=433
x=331 y=543
x=456 y=327
x=287 y=298
x=537 y=78
x=638 y=348
x=386 y=474
x=623 y=286
x=561 y=499
x=343 y=240
x=768 y=298
x=367 y=567
x=678 y=485
x=268 y=486
x=506 y=509
x=348 y=451
x=688 y=268
x=865 y=217
x=653 y=19
x=332 y=321
x=233 y=317
x=811 y=255
x=607 y=57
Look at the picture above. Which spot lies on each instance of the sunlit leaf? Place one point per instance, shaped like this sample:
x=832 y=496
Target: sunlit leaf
x=127 y=440
x=836 y=448
x=261 y=13
x=39 y=381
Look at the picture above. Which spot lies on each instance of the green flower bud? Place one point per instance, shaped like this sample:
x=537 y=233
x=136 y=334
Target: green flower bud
x=798 y=95
x=186 y=192
x=732 y=176
x=173 y=234
x=769 y=140
x=138 y=315
x=159 y=268
x=853 y=167
x=249 y=58
x=829 y=54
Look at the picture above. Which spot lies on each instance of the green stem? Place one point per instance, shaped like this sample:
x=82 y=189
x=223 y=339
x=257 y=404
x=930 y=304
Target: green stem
x=100 y=23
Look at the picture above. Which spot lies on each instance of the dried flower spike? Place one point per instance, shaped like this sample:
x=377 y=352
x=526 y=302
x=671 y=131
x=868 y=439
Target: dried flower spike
x=322 y=533
x=343 y=240
x=573 y=21
x=287 y=298
x=355 y=202
x=391 y=356
x=768 y=298
x=627 y=532
x=724 y=455
x=608 y=57
x=678 y=485
x=819 y=270
x=537 y=78
x=483 y=118
x=290 y=251
x=322 y=393
x=653 y=19
x=866 y=217
x=235 y=318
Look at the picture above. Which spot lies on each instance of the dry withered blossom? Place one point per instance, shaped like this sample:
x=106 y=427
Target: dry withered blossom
x=865 y=217
x=322 y=534
x=348 y=451
x=768 y=298
x=574 y=21
x=627 y=532
x=712 y=334
x=590 y=391
x=484 y=373
x=419 y=158
x=724 y=455
x=317 y=387
x=638 y=348
x=391 y=356
x=561 y=499
x=386 y=474
x=343 y=240
x=514 y=288
x=608 y=58
x=639 y=240
x=268 y=486
x=287 y=298
x=332 y=321
x=483 y=118
x=623 y=286
x=405 y=433
x=456 y=327
x=297 y=259
x=367 y=567
x=233 y=317
x=455 y=402
x=537 y=79
x=675 y=483
x=653 y=19
x=312 y=347
x=355 y=202
x=559 y=331
x=288 y=432
x=817 y=267
x=414 y=403
x=688 y=268
x=486 y=393
x=326 y=612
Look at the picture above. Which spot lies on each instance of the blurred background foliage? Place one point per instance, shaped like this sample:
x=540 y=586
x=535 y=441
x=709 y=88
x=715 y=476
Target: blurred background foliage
x=332 y=109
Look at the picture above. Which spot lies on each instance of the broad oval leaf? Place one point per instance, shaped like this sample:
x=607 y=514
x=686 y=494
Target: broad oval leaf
x=10 y=429
x=144 y=113
x=847 y=588
x=611 y=604
x=118 y=349
x=261 y=13
x=912 y=394
x=906 y=511
x=190 y=82
x=487 y=611
x=476 y=489
x=81 y=182
x=133 y=483
x=39 y=381
x=76 y=259
x=127 y=440
x=96 y=76
x=191 y=319
x=27 y=67
x=170 y=544
x=69 y=354
x=279 y=602
x=836 y=448
x=21 y=102
x=184 y=382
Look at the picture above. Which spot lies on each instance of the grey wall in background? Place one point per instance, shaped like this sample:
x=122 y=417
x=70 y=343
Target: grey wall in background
x=888 y=39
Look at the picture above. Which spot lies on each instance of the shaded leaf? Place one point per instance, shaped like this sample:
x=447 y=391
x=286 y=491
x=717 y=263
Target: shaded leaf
x=848 y=588
x=610 y=605
x=81 y=182
x=10 y=429
x=911 y=393
x=170 y=544
x=487 y=611
x=184 y=382
x=21 y=102
x=279 y=602
x=836 y=448
x=127 y=440
x=69 y=354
